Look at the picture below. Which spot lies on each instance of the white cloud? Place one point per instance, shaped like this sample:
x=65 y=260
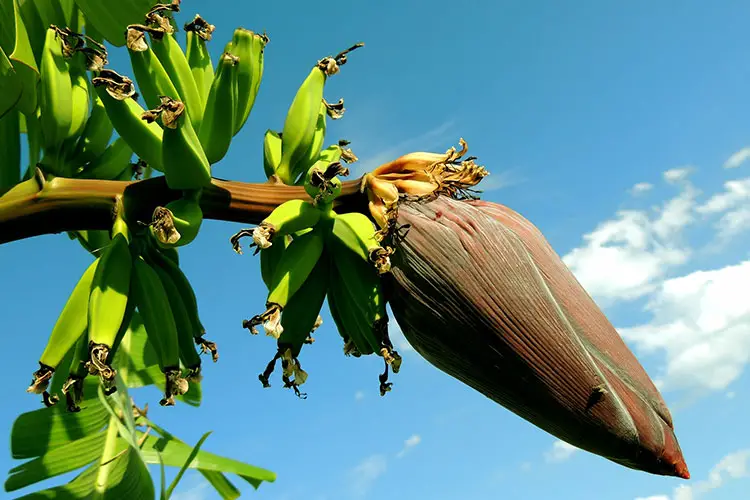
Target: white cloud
x=675 y=175
x=363 y=476
x=410 y=443
x=625 y=257
x=701 y=323
x=734 y=205
x=731 y=395
x=359 y=396
x=737 y=158
x=654 y=497
x=641 y=188
x=733 y=466
x=560 y=452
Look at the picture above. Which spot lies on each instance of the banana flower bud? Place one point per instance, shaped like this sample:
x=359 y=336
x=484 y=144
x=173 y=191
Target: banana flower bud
x=481 y=295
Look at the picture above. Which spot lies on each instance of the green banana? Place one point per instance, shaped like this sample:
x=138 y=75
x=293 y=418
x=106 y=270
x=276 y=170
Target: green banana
x=250 y=48
x=269 y=258
x=95 y=135
x=79 y=83
x=302 y=117
x=350 y=322
x=185 y=164
x=110 y=18
x=271 y=152
x=188 y=355
x=197 y=33
x=218 y=124
x=56 y=96
x=173 y=59
x=289 y=217
x=179 y=222
x=71 y=325
x=125 y=114
x=93 y=241
x=313 y=153
x=10 y=160
x=295 y=265
x=162 y=258
x=150 y=73
x=108 y=302
x=111 y=164
x=153 y=305
x=357 y=233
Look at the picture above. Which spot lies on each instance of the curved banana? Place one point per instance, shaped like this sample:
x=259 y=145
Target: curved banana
x=162 y=258
x=249 y=47
x=313 y=153
x=188 y=355
x=179 y=222
x=93 y=241
x=150 y=73
x=153 y=304
x=185 y=164
x=56 y=91
x=295 y=265
x=110 y=164
x=218 y=124
x=173 y=59
x=271 y=152
x=70 y=326
x=79 y=99
x=125 y=114
x=270 y=257
x=197 y=33
x=289 y=217
x=108 y=302
x=351 y=324
x=95 y=135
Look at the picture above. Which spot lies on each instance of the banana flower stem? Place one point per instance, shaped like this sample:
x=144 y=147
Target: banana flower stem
x=53 y=205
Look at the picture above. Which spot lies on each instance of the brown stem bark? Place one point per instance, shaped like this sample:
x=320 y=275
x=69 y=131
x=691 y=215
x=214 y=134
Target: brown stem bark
x=63 y=204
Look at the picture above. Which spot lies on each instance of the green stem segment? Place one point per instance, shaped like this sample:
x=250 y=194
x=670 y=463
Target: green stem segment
x=61 y=204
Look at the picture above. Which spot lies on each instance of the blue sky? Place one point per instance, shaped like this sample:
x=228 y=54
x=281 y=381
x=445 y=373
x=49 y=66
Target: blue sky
x=570 y=107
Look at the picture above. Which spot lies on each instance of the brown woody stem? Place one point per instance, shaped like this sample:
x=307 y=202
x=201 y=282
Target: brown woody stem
x=63 y=204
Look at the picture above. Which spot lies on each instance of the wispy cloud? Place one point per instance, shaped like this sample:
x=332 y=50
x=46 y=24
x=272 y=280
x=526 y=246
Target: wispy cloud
x=641 y=188
x=434 y=140
x=359 y=395
x=737 y=158
x=410 y=443
x=675 y=175
x=366 y=473
x=560 y=452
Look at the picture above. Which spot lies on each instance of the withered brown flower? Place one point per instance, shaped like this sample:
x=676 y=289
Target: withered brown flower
x=480 y=294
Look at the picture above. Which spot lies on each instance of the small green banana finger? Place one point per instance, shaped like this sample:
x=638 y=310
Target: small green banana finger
x=271 y=152
x=150 y=73
x=169 y=52
x=108 y=303
x=357 y=233
x=125 y=114
x=302 y=118
x=270 y=257
x=289 y=217
x=197 y=33
x=70 y=326
x=250 y=48
x=295 y=265
x=218 y=123
x=185 y=164
x=179 y=222
x=110 y=164
x=153 y=305
x=95 y=135
x=56 y=96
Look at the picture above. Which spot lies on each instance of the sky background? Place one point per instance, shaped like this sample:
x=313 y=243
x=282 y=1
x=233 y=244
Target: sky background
x=619 y=128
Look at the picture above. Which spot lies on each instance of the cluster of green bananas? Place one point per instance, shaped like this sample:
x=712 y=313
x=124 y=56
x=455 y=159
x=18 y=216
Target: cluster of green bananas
x=309 y=252
x=131 y=280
